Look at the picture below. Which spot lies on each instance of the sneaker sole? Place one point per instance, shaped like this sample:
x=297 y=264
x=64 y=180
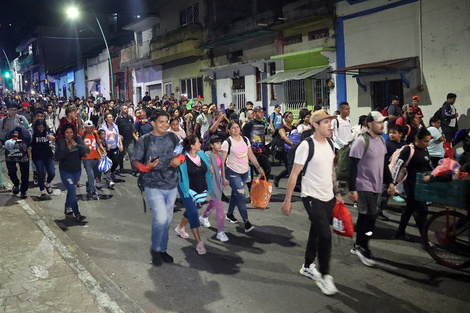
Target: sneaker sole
x=365 y=260
x=249 y=229
x=233 y=222
x=326 y=291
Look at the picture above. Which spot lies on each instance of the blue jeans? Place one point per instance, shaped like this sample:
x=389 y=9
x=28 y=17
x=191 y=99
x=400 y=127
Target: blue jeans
x=91 y=169
x=161 y=202
x=48 y=166
x=191 y=212
x=238 y=197
x=70 y=181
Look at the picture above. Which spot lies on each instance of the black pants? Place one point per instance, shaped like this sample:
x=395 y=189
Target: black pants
x=24 y=170
x=286 y=170
x=319 y=238
x=113 y=155
x=367 y=209
x=263 y=160
x=449 y=132
x=412 y=206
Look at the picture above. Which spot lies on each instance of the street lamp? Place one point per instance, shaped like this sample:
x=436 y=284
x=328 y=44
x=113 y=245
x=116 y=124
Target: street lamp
x=73 y=13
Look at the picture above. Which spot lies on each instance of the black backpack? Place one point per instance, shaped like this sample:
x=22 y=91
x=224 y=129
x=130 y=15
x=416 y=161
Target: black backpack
x=438 y=114
x=311 y=151
x=140 y=179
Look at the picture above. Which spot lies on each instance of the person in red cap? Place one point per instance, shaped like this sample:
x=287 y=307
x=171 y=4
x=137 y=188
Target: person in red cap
x=26 y=112
x=415 y=108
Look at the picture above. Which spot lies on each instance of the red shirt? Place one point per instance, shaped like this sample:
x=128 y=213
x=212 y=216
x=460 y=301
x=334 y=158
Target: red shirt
x=417 y=110
x=90 y=141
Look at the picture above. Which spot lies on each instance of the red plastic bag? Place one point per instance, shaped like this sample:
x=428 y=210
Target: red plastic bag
x=445 y=167
x=260 y=193
x=342 y=220
x=449 y=150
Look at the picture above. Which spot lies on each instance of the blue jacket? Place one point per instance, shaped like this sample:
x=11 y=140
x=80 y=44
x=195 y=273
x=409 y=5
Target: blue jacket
x=183 y=182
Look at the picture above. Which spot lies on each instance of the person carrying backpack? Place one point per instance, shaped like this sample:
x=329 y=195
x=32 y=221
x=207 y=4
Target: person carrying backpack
x=449 y=117
x=319 y=192
x=419 y=162
x=160 y=181
x=236 y=152
x=367 y=171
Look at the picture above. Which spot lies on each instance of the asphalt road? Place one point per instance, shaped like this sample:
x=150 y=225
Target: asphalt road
x=255 y=272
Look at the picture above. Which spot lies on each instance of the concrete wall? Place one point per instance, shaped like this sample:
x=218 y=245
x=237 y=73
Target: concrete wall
x=98 y=70
x=388 y=30
x=175 y=74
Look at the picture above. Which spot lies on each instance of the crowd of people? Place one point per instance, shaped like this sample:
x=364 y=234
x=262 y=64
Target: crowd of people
x=181 y=146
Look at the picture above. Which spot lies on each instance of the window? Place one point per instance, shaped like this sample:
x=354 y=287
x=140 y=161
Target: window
x=321 y=93
x=292 y=40
x=167 y=89
x=383 y=91
x=258 y=85
x=190 y=15
x=192 y=87
x=139 y=38
x=319 y=34
x=272 y=71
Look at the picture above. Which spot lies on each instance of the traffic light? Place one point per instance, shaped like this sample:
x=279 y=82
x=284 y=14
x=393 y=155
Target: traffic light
x=7 y=74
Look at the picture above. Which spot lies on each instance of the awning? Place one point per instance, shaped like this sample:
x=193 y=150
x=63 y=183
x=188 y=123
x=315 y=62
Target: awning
x=396 y=64
x=294 y=75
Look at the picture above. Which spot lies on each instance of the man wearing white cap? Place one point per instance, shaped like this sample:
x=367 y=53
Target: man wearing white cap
x=319 y=194
x=367 y=171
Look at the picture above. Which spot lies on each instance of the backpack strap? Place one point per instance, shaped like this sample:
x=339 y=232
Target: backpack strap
x=230 y=143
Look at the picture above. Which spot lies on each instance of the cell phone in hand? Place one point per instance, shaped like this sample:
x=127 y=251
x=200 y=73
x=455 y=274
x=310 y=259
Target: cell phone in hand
x=154 y=159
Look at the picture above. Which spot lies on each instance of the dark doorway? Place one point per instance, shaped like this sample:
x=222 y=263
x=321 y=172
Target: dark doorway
x=382 y=93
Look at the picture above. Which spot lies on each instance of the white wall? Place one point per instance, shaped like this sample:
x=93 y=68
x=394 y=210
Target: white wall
x=99 y=71
x=395 y=33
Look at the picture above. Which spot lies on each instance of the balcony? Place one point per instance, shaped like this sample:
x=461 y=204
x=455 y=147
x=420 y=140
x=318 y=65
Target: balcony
x=178 y=44
x=25 y=63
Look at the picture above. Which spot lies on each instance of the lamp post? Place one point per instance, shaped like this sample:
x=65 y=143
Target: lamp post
x=73 y=14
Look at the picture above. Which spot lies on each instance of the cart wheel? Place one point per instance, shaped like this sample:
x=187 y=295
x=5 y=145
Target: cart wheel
x=446 y=237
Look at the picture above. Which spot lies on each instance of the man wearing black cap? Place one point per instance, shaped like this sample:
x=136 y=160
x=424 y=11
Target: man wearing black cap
x=394 y=108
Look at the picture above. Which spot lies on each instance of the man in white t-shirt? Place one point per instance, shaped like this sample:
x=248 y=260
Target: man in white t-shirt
x=342 y=130
x=319 y=194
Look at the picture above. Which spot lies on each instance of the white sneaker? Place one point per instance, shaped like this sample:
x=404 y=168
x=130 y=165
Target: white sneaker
x=310 y=272
x=111 y=184
x=327 y=285
x=204 y=221
x=222 y=236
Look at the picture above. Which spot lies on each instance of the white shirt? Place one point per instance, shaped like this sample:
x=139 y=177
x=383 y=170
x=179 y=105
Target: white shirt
x=318 y=180
x=302 y=127
x=342 y=131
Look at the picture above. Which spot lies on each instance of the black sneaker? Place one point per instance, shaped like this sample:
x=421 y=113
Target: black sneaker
x=80 y=218
x=166 y=257
x=159 y=257
x=231 y=218
x=364 y=255
x=404 y=237
x=382 y=217
x=248 y=227
x=23 y=195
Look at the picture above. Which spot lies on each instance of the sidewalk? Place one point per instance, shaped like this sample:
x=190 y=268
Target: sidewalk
x=43 y=270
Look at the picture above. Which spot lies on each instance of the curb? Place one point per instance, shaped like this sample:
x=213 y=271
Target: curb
x=106 y=293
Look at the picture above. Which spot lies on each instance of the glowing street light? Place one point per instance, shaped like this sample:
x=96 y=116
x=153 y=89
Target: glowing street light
x=73 y=13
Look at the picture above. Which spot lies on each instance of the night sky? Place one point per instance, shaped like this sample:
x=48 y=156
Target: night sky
x=24 y=15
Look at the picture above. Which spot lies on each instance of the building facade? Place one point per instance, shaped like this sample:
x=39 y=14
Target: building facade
x=403 y=48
